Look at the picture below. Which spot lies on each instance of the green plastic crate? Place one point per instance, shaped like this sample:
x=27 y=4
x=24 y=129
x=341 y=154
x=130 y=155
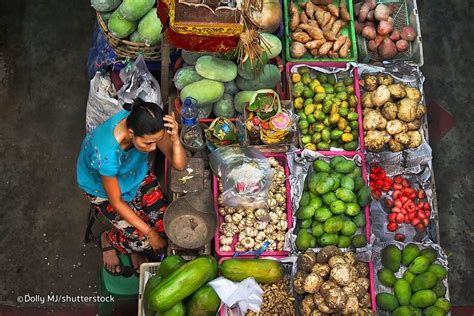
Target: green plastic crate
x=348 y=30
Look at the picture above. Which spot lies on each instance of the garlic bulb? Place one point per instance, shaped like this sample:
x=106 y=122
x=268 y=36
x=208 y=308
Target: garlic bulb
x=222 y=211
x=248 y=242
x=220 y=199
x=284 y=217
x=250 y=214
x=251 y=232
x=224 y=240
x=272 y=246
x=280 y=246
x=228 y=218
x=261 y=236
x=242 y=224
x=271 y=203
x=282 y=225
x=274 y=217
x=221 y=187
x=280 y=198
x=260 y=225
x=249 y=221
x=280 y=236
x=226 y=248
x=236 y=218
x=270 y=229
x=242 y=236
x=230 y=210
x=241 y=211
x=258 y=245
x=239 y=247
x=261 y=213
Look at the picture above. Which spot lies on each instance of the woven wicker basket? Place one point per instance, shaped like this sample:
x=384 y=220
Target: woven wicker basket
x=124 y=48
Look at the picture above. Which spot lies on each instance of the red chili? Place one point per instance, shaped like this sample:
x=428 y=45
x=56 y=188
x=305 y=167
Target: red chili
x=398 y=179
x=392 y=217
x=392 y=226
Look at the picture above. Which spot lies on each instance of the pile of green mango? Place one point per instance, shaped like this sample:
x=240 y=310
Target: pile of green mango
x=421 y=290
x=327 y=110
x=331 y=207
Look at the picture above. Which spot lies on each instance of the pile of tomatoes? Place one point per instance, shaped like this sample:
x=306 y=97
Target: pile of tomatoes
x=406 y=204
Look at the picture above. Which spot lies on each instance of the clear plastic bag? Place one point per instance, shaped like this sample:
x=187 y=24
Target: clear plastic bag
x=246 y=176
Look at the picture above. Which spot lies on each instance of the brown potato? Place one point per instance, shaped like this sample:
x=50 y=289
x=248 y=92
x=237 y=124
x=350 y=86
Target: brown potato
x=362 y=269
x=343 y=274
x=415 y=139
x=407 y=110
x=381 y=96
x=364 y=282
x=397 y=91
x=307 y=305
x=334 y=260
x=352 y=305
x=322 y=270
x=306 y=261
x=367 y=100
x=373 y=120
x=413 y=93
x=401 y=138
x=385 y=79
x=375 y=140
x=335 y=297
x=395 y=146
x=390 y=110
x=298 y=282
x=312 y=283
x=414 y=125
x=370 y=83
x=420 y=111
x=321 y=304
x=326 y=253
x=395 y=127
x=350 y=258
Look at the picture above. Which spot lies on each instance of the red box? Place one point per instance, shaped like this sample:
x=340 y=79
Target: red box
x=281 y=158
x=289 y=66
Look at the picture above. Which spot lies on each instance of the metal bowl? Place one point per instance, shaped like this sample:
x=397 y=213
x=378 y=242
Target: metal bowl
x=190 y=221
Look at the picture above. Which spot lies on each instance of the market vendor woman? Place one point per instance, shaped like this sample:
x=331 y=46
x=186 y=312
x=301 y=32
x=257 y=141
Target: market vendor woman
x=112 y=169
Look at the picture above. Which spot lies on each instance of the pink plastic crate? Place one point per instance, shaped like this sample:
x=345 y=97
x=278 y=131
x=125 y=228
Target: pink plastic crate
x=281 y=158
x=371 y=279
x=289 y=66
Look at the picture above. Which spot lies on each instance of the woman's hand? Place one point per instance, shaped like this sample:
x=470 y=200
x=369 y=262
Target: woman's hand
x=172 y=127
x=156 y=241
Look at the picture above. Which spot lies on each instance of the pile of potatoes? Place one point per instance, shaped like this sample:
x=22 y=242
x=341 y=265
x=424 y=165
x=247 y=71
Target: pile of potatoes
x=317 y=29
x=332 y=283
x=392 y=113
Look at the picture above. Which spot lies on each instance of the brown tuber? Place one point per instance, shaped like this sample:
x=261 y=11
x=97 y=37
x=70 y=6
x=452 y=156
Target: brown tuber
x=382 y=12
x=395 y=36
x=408 y=33
x=387 y=50
x=297 y=50
x=385 y=27
x=369 y=32
x=402 y=45
x=372 y=46
x=359 y=27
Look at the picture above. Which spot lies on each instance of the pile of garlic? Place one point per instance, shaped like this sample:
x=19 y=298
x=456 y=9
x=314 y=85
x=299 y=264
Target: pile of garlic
x=255 y=226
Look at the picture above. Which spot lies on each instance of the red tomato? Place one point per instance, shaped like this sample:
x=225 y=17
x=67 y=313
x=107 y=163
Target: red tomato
x=375 y=167
x=396 y=210
x=392 y=226
x=373 y=177
x=392 y=217
x=413 y=196
x=426 y=222
x=382 y=174
x=397 y=186
x=421 y=215
x=389 y=203
x=399 y=237
x=411 y=215
x=419 y=206
x=408 y=191
x=379 y=184
x=427 y=214
x=400 y=218
x=405 y=183
x=386 y=186
x=426 y=206
x=420 y=228
x=398 y=179
x=421 y=194
x=403 y=211
x=403 y=199
x=407 y=220
x=398 y=203
x=376 y=194
x=396 y=194
x=415 y=221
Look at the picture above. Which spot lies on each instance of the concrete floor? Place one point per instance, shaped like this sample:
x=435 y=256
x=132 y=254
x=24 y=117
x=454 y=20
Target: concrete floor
x=43 y=93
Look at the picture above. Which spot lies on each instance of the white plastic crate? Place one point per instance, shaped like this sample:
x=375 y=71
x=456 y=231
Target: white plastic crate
x=147 y=270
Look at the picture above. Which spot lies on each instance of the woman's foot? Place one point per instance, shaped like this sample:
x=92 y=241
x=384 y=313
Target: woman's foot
x=109 y=255
x=137 y=260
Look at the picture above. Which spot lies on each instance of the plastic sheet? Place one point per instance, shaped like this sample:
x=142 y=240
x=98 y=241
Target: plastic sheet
x=246 y=294
x=138 y=82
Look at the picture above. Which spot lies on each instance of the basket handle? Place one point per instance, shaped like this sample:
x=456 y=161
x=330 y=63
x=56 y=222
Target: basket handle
x=257 y=253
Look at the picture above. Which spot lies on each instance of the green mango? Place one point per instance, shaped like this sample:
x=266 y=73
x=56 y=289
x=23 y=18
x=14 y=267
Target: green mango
x=328 y=239
x=338 y=207
x=409 y=253
x=444 y=304
x=419 y=265
x=386 y=277
x=305 y=212
x=387 y=302
x=407 y=275
x=391 y=258
x=348 y=81
x=306 y=223
x=423 y=298
x=346 y=166
x=329 y=197
x=433 y=311
x=321 y=166
x=350 y=146
x=353 y=209
x=348 y=183
x=359 y=183
x=304 y=199
x=439 y=270
x=322 y=214
x=337 y=181
x=344 y=242
x=323 y=146
x=439 y=289
x=317 y=230
x=303 y=240
x=364 y=196
x=359 y=241
x=332 y=79
x=429 y=253
x=316 y=202
x=424 y=281
x=336 y=134
x=345 y=195
x=336 y=160
x=402 y=291
x=406 y=311
x=325 y=185
x=322 y=78
x=349 y=228
x=333 y=225
x=357 y=172
x=359 y=220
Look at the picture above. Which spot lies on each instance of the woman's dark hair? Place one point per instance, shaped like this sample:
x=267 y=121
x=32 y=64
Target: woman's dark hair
x=145 y=118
